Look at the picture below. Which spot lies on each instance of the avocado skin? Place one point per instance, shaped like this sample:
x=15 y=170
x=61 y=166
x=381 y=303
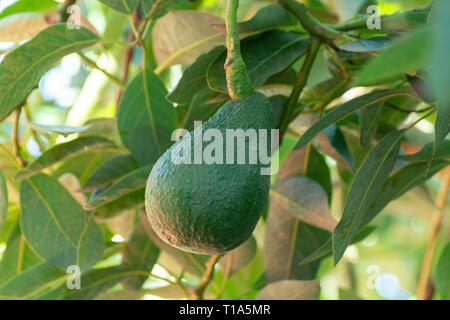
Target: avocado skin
x=211 y=209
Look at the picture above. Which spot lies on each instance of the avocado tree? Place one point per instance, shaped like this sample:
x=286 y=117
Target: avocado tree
x=345 y=198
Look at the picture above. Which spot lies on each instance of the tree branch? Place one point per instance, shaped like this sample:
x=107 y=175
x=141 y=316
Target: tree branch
x=128 y=58
x=300 y=82
x=436 y=221
x=206 y=279
x=311 y=24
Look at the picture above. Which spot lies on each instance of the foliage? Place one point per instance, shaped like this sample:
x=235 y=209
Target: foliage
x=86 y=112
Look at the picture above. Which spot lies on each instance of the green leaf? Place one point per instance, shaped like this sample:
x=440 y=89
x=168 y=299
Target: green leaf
x=29 y=6
x=442 y=126
x=170 y=292
x=175 y=43
x=32 y=281
x=109 y=171
x=288 y=242
x=356 y=152
x=59 y=129
x=269 y=17
x=332 y=143
x=199 y=109
x=425 y=155
x=181 y=36
x=322 y=88
x=194 y=77
x=290 y=290
x=134 y=200
x=93 y=282
x=165 y=6
x=22 y=68
x=193 y=263
x=103 y=127
x=124 y=6
x=56 y=227
x=367 y=45
x=348 y=294
x=288 y=239
x=278 y=102
x=264 y=55
x=391 y=119
x=368 y=123
x=130 y=183
x=407 y=54
x=146 y=119
x=405 y=179
x=440 y=69
x=368 y=181
x=17 y=257
x=442 y=276
x=139 y=253
x=3 y=200
x=327 y=247
x=304 y=199
x=64 y=151
x=238 y=258
x=341 y=112
x=122 y=295
x=83 y=165
x=405 y=20
x=317 y=170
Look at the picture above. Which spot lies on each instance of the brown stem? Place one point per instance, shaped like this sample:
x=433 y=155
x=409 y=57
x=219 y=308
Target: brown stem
x=436 y=221
x=206 y=278
x=128 y=57
x=15 y=138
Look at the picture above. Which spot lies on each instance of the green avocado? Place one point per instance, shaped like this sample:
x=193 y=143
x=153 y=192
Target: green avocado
x=212 y=208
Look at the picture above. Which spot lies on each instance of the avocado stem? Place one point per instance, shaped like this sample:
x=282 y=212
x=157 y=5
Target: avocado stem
x=206 y=278
x=238 y=80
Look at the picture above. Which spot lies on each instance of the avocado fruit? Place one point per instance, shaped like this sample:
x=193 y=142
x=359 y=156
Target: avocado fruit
x=211 y=208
